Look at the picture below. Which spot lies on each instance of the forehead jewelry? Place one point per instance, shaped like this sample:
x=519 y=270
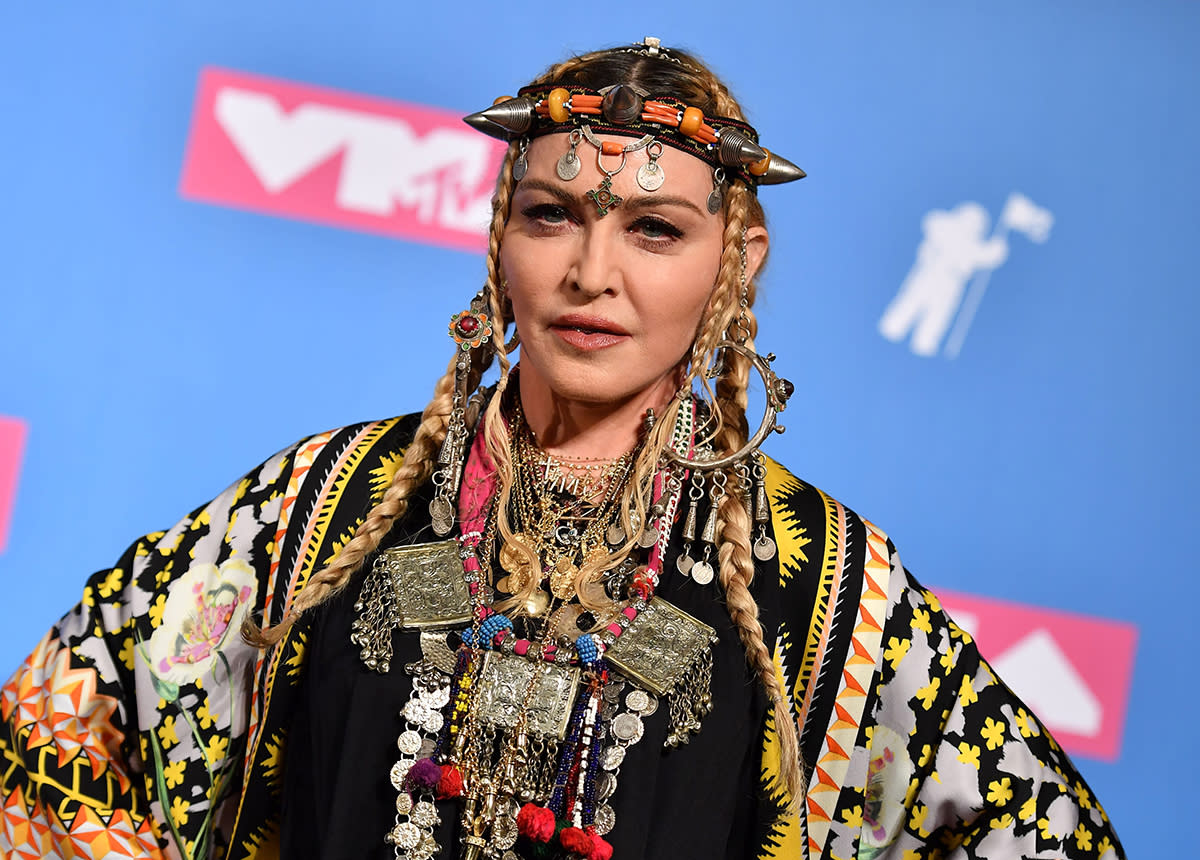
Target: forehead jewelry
x=602 y=195
x=728 y=145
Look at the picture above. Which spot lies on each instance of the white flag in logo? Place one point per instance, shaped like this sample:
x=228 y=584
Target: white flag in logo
x=955 y=253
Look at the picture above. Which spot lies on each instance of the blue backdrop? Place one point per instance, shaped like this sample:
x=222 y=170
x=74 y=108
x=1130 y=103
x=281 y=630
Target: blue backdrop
x=157 y=347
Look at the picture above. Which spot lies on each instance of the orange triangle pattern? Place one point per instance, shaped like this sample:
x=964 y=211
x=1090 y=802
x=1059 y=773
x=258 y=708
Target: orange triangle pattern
x=833 y=762
x=61 y=708
x=30 y=832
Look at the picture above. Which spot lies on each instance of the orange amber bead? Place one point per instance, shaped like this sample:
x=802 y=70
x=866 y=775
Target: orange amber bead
x=502 y=99
x=758 y=168
x=691 y=121
x=557 y=103
x=610 y=147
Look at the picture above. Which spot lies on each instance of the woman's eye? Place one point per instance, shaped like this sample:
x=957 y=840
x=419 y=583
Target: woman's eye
x=655 y=228
x=547 y=213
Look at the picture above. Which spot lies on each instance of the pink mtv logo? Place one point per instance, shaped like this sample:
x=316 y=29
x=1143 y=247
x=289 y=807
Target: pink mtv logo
x=1073 y=670
x=336 y=158
x=12 y=443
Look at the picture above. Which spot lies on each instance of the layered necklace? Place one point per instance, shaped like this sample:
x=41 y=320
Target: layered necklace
x=526 y=715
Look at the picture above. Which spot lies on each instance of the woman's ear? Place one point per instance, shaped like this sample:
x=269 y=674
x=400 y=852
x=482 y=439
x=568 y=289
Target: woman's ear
x=756 y=250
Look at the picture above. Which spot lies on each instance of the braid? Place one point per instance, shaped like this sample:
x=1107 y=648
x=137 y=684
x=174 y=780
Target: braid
x=737 y=574
x=421 y=452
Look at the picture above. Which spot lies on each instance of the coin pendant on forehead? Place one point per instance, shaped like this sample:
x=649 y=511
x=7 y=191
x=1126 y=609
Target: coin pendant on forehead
x=764 y=548
x=404 y=803
x=638 y=700
x=406 y=835
x=605 y=819
x=398 y=772
x=684 y=564
x=612 y=757
x=519 y=167
x=424 y=814
x=627 y=727
x=650 y=176
x=409 y=742
x=568 y=166
x=702 y=572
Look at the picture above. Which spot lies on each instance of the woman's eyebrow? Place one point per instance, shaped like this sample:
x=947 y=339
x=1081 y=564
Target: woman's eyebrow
x=646 y=201
x=556 y=191
x=639 y=201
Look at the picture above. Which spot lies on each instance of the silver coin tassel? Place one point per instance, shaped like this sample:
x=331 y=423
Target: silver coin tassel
x=764 y=546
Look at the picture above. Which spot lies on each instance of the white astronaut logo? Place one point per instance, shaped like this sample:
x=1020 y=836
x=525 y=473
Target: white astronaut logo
x=954 y=264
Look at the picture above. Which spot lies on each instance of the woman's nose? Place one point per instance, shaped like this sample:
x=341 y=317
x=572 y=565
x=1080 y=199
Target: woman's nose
x=596 y=270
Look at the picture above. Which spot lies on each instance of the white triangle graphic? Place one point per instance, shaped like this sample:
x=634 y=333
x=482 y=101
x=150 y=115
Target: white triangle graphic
x=1042 y=675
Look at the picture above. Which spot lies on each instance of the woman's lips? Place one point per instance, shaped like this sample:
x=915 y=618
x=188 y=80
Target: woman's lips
x=588 y=333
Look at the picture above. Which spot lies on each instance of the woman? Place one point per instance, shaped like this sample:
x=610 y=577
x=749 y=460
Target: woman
x=576 y=614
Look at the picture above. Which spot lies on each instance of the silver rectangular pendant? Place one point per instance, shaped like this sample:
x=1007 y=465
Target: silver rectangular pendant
x=427 y=580
x=504 y=690
x=659 y=646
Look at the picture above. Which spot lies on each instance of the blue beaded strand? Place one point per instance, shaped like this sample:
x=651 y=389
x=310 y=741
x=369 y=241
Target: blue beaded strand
x=585 y=647
x=488 y=629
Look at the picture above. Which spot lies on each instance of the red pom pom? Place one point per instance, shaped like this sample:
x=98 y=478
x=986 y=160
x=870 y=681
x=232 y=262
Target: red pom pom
x=535 y=822
x=451 y=784
x=576 y=841
x=601 y=850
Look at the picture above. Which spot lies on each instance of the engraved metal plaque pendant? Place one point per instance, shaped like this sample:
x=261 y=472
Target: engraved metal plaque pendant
x=505 y=691
x=427 y=580
x=660 y=646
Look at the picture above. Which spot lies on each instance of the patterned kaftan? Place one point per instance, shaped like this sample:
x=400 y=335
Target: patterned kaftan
x=142 y=726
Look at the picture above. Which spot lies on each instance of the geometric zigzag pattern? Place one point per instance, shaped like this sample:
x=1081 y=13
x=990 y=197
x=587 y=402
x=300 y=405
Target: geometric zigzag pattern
x=61 y=707
x=833 y=762
x=31 y=832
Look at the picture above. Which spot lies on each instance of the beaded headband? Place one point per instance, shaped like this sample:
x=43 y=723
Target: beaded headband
x=728 y=145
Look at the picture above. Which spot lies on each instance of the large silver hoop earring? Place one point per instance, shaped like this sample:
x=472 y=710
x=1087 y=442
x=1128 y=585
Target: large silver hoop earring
x=778 y=389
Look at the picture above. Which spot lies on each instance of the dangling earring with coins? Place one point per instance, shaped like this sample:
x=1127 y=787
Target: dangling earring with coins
x=471 y=329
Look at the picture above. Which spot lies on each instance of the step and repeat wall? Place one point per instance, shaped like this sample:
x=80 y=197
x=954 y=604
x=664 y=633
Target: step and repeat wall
x=228 y=226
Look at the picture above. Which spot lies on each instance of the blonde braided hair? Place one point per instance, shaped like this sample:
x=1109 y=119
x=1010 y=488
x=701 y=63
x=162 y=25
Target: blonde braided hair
x=418 y=457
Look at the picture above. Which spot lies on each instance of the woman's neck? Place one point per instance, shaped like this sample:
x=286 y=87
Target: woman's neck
x=573 y=428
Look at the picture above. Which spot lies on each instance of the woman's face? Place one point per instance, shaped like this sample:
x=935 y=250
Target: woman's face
x=607 y=307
